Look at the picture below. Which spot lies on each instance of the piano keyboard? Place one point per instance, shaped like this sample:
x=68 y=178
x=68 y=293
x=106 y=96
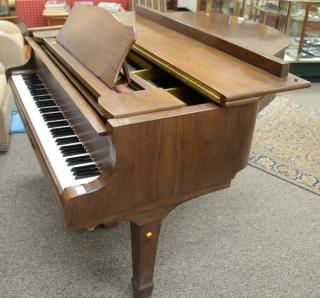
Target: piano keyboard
x=68 y=158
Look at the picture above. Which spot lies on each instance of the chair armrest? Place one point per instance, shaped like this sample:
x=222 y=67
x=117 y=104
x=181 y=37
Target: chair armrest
x=9 y=27
x=11 y=50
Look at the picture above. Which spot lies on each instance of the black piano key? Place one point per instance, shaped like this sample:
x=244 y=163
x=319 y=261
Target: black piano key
x=36 y=86
x=45 y=103
x=31 y=79
x=72 y=161
x=57 y=124
x=61 y=132
x=72 y=152
x=39 y=92
x=52 y=117
x=34 y=89
x=86 y=168
x=30 y=75
x=48 y=110
x=87 y=175
x=75 y=146
x=42 y=97
x=68 y=140
x=69 y=150
x=32 y=82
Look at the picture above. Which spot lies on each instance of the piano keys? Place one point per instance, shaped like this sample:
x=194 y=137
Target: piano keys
x=127 y=129
x=68 y=157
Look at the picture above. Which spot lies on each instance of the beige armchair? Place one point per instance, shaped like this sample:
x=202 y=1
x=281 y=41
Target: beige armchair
x=5 y=110
x=12 y=45
x=11 y=54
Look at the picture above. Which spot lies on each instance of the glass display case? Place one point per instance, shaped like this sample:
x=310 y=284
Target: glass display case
x=300 y=19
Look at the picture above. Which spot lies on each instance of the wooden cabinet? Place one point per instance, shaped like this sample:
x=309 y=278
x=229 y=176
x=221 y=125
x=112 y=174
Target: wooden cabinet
x=54 y=19
x=11 y=16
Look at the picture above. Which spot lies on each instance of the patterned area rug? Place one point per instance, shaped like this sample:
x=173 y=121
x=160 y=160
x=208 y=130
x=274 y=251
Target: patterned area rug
x=286 y=143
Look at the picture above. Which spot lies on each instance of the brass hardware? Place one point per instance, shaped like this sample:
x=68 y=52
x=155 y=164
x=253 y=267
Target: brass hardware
x=195 y=84
x=149 y=234
x=138 y=60
x=90 y=229
x=150 y=74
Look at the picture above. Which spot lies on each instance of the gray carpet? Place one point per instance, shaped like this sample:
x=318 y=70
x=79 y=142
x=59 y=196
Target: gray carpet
x=260 y=238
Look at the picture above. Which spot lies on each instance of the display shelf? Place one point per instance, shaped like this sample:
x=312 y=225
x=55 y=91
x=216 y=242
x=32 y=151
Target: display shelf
x=300 y=19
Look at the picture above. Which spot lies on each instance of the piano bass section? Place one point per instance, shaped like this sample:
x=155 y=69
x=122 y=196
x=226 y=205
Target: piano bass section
x=128 y=127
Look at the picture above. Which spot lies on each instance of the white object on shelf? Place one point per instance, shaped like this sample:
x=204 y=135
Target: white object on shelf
x=190 y=4
x=56 y=5
x=110 y=6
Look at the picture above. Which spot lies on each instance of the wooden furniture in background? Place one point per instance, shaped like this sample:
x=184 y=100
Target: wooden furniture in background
x=151 y=156
x=10 y=17
x=167 y=5
x=160 y=5
x=30 y=12
x=54 y=19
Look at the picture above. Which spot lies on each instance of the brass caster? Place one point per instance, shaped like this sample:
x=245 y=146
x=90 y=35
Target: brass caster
x=90 y=229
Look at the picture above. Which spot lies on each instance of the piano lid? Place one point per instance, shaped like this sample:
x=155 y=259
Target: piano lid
x=97 y=40
x=220 y=76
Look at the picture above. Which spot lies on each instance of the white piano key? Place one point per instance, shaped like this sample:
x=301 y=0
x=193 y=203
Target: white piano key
x=57 y=162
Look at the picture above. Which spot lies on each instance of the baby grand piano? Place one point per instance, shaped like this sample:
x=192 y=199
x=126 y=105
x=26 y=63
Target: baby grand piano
x=129 y=123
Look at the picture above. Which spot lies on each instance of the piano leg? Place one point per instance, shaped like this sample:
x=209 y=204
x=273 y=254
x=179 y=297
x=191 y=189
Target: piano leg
x=144 y=240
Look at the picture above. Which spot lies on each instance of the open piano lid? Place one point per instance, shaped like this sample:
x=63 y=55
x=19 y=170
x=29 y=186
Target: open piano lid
x=224 y=75
x=218 y=68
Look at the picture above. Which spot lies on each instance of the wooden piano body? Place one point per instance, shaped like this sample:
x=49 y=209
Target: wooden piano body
x=180 y=124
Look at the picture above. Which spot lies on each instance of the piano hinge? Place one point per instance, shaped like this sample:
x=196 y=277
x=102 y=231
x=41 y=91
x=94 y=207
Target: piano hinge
x=190 y=81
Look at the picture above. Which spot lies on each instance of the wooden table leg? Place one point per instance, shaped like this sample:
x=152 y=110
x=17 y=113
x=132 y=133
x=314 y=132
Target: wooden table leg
x=303 y=31
x=288 y=20
x=144 y=240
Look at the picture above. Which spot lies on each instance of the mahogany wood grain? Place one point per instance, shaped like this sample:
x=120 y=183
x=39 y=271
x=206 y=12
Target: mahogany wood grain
x=247 y=34
x=144 y=241
x=56 y=21
x=153 y=155
x=218 y=71
x=79 y=85
x=139 y=102
x=166 y=152
x=92 y=82
x=220 y=32
x=101 y=42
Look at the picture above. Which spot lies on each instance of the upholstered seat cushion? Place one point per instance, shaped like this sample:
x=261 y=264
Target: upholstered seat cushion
x=12 y=30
